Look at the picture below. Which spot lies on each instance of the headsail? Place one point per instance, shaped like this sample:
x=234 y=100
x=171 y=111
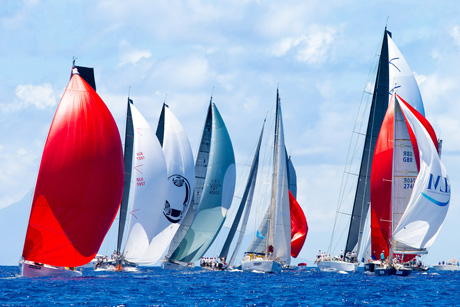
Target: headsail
x=79 y=183
x=148 y=192
x=299 y=226
x=429 y=202
x=215 y=184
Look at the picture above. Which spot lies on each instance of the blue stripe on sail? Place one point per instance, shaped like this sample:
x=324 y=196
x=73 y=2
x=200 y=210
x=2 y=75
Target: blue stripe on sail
x=434 y=201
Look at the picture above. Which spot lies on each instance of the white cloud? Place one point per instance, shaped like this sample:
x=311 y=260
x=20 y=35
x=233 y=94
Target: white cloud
x=313 y=48
x=38 y=96
x=131 y=55
x=455 y=34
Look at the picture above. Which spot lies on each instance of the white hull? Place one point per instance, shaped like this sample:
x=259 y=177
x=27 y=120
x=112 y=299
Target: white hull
x=335 y=266
x=29 y=269
x=167 y=265
x=446 y=267
x=261 y=265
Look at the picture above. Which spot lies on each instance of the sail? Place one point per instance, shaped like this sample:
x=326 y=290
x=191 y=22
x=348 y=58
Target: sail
x=299 y=226
x=279 y=231
x=128 y=162
x=181 y=181
x=201 y=166
x=292 y=177
x=215 y=196
x=401 y=79
x=148 y=192
x=79 y=183
x=429 y=202
x=381 y=186
x=245 y=206
x=393 y=75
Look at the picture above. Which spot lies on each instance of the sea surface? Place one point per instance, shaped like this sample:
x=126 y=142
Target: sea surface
x=152 y=286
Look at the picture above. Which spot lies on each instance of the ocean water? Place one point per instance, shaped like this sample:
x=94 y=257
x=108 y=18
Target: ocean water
x=152 y=286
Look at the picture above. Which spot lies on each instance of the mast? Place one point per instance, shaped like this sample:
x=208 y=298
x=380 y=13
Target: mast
x=377 y=113
x=245 y=204
x=128 y=162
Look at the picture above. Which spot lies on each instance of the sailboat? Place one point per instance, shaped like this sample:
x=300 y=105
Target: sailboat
x=214 y=186
x=79 y=185
x=271 y=254
x=393 y=74
x=408 y=206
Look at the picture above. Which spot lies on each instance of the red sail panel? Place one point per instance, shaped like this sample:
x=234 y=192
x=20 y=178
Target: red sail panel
x=79 y=183
x=299 y=226
x=381 y=177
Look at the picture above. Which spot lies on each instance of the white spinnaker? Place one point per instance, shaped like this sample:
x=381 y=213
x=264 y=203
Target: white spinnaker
x=181 y=182
x=148 y=192
x=401 y=78
x=429 y=202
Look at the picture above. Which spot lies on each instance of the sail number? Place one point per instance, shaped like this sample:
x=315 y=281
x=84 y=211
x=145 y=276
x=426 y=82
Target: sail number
x=140 y=156
x=140 y=181
x=408 y=183
x=408 y=156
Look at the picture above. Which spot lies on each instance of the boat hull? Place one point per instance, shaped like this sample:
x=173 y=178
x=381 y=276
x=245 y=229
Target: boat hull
x=262 y=265
x=38 y=270
x=446 y=267
x=168 y=265
x=369 y=267
x=335 y=266
x=392 y=271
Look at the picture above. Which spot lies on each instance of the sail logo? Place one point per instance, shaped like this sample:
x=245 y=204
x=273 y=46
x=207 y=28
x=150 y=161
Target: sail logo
x=178 y=198
x=438 y=185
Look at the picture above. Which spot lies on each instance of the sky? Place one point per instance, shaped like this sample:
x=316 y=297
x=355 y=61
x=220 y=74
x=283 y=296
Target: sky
x=321 y=55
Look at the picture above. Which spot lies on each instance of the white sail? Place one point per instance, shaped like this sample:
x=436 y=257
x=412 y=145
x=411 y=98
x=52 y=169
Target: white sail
x=181 y=181
x=429 y=202
x=401 y=78
x=280 y=216
x=148 y=191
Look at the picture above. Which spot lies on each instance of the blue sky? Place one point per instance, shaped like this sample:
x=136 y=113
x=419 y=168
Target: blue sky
x=321 y=55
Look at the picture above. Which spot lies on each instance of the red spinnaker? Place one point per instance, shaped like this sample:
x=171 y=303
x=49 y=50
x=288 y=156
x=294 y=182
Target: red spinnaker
x=80 y=181
x=299 y=227
x=381 y=177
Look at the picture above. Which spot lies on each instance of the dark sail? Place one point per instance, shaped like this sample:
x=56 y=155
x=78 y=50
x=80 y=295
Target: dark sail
x=87 y=73
x=161 y=125
x=129 y=141
x=377 y=113
x=251 y=180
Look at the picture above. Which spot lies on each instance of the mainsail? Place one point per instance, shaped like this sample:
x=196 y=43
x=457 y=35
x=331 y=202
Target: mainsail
x=80 y=181
x=148 y=193
x=214 y=186
x=128 y=162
